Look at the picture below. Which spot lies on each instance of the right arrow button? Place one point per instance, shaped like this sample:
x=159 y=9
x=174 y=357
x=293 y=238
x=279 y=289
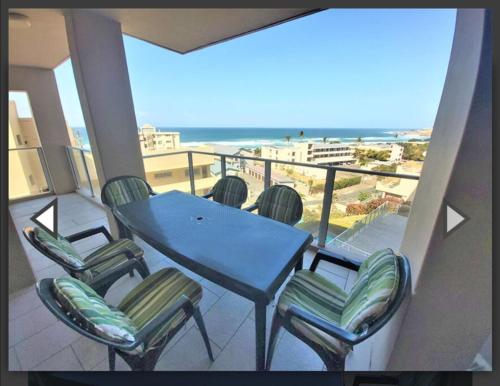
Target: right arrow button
x=454 y=218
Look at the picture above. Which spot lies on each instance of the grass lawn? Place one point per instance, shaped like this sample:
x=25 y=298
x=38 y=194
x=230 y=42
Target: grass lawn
x=346 y=221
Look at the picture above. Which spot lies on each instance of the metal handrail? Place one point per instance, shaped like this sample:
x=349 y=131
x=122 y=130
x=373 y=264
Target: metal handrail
x=43 y=164
x=328 y=187
x=360 y=224
x=74 y=168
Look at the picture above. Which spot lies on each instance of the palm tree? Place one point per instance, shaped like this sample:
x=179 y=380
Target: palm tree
x=301 y=134
x=360 y=139
x=288 y=138
x=325 y=139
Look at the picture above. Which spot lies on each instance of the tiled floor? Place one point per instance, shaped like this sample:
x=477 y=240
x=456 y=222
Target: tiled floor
x=37 y=341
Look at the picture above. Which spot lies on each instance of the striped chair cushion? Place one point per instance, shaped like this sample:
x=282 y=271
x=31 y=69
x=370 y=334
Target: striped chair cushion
x=125 y=190
x=374 y=289
x=155 y=294
x=92 y=313
x=281 y=203
x=109 y=249
x=314 y=293
x=231 y=191
x=60 y=247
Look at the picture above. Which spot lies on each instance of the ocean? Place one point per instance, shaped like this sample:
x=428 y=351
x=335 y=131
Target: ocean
x=256 y=137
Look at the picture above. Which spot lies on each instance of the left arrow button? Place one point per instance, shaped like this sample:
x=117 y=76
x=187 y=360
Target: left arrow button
x=46 y=218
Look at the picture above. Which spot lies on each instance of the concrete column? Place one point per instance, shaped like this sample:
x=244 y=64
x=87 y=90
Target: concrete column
x=450 y=313
x=101 y=74
x=20 y=272
x=41 y=86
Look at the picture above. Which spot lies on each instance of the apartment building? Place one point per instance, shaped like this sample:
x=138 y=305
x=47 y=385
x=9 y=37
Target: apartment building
x=24 y=156
x=152 y=140
x=310 y=152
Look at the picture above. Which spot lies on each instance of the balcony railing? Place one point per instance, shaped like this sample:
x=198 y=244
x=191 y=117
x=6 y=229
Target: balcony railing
x=84 y=171
x=260 y=173
x=268 y=177
x=28 y=173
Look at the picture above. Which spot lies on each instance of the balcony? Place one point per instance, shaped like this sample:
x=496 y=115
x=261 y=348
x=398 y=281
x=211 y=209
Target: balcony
x=37 y=341
x=353 y=210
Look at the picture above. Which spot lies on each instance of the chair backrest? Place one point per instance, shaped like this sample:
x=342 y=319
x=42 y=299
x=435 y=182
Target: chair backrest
x=281 y=203
x=231 y=191
x=382 y=283
x=58 y=305
x=57 y=249
x=124 y=189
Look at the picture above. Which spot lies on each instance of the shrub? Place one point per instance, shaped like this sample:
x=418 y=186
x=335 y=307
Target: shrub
x=362 y=196
x=345 y=182
x=353 y=209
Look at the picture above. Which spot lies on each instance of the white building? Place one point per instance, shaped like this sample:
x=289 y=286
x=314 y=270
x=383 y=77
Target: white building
x=396 y=153
x=309 y=152
x=152 y=140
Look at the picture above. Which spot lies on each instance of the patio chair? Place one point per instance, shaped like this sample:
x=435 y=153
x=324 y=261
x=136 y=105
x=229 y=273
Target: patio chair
x=140 y=327
x=332 y=321
x=101 y=268
x=229 y=190
x=281 y=203
x=122 y=190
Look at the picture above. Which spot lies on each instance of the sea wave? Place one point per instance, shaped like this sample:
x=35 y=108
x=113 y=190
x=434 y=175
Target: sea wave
x=254 y=143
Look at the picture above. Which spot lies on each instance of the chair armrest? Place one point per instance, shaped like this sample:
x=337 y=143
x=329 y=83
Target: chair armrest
x=251 y=208
x=375 y=380
x=150 y=329
x=89 y=232
x=321 y=324
x=334 y=258
x=208 y=195
x=104 y=258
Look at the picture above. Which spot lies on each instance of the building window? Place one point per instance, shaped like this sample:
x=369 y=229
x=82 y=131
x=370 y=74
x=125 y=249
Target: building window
x=163 y=175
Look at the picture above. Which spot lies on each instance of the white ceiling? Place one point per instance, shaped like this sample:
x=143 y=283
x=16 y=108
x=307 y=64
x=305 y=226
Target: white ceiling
x=182 y=30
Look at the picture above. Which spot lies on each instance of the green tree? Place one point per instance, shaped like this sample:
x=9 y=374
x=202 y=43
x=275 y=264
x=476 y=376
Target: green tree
x=325 y=139
x=257 y=152
x=363 y=196
x=359 y=139
x=301 y=133
x=288 y=138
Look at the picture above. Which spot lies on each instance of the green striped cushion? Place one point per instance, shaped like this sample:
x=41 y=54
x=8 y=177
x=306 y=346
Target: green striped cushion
x=281 y=203
x=92 y=313
x=59 y=247
x=109 y=249
x=125 y=190
x=374 y=289
x=156 y=293
x=230 y=191
x=317 y=295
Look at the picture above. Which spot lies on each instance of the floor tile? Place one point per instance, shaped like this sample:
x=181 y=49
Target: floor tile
x=188 y=354
x=226 y=316
x=89 y=352
x=65 y=359
x=44 y=344
x=291 y=354
x=14 y=364
x=24 y=303
x=29 y=324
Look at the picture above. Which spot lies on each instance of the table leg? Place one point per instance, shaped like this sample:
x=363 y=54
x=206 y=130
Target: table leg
x=260 y=336
x=299 y=264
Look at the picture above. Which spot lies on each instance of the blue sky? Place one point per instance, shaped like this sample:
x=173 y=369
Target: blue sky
x=339 y=68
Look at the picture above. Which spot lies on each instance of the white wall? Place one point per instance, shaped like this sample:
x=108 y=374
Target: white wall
x=449 y=316
x=40 y=84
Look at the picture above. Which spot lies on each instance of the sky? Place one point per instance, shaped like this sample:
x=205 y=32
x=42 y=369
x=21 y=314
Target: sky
x=339 y=68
